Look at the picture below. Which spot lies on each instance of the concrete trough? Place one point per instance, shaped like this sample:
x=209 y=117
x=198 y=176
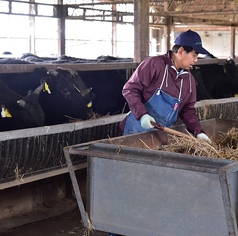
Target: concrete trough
x=135 y=191
x=28 y=155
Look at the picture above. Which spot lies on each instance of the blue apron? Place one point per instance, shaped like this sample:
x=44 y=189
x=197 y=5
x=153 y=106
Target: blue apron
x=163 y=107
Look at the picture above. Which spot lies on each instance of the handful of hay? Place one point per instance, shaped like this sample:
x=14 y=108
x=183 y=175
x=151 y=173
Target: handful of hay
x=225 y=148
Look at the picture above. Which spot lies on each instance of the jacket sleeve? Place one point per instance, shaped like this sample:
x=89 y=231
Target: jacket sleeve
x=134 y=89
x=188 y=114
x=190 y=119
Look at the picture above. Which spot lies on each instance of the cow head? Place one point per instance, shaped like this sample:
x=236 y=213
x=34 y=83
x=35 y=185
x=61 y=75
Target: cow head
x=18 y=111
x=69 y=97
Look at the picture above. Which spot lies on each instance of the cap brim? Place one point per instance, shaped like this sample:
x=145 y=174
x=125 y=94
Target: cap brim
x=201 y=50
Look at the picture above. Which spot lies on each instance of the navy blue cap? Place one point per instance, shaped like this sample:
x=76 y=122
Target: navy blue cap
x=191 y=39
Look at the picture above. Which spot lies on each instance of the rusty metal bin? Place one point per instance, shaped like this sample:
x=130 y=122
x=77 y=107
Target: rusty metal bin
x=135 y=191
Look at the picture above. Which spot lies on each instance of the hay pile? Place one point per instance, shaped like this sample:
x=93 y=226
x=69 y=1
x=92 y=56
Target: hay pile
x=225 y=148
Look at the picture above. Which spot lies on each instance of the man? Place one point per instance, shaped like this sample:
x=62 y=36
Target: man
x=162 y=89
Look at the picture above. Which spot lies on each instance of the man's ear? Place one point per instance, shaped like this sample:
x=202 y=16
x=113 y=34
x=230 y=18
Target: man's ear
x=180 y=51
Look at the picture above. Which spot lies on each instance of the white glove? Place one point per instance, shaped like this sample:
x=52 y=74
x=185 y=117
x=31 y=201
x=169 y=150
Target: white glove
x=145 y=121
x=204 y=137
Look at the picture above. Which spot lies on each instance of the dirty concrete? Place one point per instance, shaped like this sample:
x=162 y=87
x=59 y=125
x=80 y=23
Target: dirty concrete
x=68 y=224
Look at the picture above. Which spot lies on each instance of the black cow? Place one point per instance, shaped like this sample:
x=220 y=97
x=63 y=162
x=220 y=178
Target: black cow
x=208 y=78
x=231 y=72
x=67 y=97
x=107 y=87
x=215 y=81
x=18 y=112
x=202 y=93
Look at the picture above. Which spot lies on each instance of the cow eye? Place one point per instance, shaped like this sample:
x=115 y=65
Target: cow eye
x=65 y=92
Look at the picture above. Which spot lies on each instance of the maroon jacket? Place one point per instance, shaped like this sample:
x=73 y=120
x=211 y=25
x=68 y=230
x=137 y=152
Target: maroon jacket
x=148 y=77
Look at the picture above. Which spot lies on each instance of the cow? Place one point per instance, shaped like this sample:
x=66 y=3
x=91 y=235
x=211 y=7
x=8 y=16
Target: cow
x=215 y=81
x=202 y=93
x=66 y=98
x=231 y=72
x=208 y=81
x=107 y=87
x=19 y=112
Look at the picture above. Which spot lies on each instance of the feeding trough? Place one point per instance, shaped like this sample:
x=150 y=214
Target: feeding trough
x=135 y=191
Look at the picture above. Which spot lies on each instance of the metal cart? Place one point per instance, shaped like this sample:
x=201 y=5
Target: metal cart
x=135 y=191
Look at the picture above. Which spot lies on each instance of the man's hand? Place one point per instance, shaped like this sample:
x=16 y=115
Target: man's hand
x=204 y=137
x=145 y=121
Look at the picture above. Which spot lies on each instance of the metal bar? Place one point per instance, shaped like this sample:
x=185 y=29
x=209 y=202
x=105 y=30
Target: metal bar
x=231 y=168
x=20 y=68
x=54 y=129
x=227 y=200
x=210 y=61
x=26 y=180
x=76 y=187
x=131 y=154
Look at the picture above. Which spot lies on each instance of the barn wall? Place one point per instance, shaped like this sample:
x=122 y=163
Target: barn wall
x=218 y=42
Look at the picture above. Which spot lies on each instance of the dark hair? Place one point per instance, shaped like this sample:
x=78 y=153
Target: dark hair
x=187 y=49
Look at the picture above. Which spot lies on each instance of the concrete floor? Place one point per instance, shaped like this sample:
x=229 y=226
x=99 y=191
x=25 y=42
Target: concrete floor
x=54 y=218
x=64 y=225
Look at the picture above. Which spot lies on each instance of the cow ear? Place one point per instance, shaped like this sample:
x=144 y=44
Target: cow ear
x=39 y=89
x=83 y=92
x=86 y=91
x=21 y=103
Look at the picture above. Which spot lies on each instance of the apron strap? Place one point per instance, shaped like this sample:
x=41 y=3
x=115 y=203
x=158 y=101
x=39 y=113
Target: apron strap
x=166 y=75
x=180 y=91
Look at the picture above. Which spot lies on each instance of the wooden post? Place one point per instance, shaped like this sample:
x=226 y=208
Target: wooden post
x=61 y=28
x=114 y=33
x=233 y=35
x=141 y=30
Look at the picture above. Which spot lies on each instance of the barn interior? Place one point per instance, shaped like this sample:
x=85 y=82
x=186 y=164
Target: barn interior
x=35 y=182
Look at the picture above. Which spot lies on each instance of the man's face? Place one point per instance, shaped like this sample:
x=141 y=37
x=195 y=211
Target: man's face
x=188 y=59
